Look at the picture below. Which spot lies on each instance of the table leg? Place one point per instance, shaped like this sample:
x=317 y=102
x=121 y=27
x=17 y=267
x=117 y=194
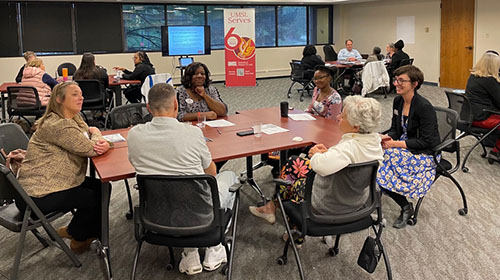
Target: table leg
x=118 y=95
x=103 y=244
x=252 y=183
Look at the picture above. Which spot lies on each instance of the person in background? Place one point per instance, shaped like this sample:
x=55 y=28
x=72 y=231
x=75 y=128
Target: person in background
x=310 y=60
x=166 y=146
x=326 y=101
x=483 y=91
x=88 y=70
x=53 y=172
x=375 y=56
x=197 y=96
x=28 y=56
x=348 y=53
x=143 y=68
x=34 y=75
x=408 y=169
x=398 y=56
x=390 y=48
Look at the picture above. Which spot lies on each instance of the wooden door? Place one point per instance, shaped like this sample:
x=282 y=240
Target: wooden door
x=457 y=42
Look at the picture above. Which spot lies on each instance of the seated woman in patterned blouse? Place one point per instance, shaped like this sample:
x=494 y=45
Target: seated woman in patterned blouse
x=326 y=101
x=196 y=95
x=408 y=169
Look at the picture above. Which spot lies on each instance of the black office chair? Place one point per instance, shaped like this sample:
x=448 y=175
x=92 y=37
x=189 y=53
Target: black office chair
x=359 y=177
x=173 y=212
x=71 y=68
x=122 y=117
x=12 y=219
x=461 y=104
x=447 y=125
x=24 y=101
x=330 y=54
x=406 y=61
x=304 y=78
x=95 y=97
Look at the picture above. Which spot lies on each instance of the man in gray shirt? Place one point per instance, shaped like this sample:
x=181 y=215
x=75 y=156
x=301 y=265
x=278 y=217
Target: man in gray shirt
x=165 y=146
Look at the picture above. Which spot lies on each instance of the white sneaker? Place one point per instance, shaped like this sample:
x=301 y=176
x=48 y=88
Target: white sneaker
x=190 y=262
x=328 y=241
x=214 y=257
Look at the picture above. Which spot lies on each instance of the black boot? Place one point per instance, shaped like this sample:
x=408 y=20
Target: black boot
x=405 y=215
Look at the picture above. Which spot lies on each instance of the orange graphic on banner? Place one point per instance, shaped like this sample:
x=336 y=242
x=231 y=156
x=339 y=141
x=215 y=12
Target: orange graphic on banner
x=243 y=47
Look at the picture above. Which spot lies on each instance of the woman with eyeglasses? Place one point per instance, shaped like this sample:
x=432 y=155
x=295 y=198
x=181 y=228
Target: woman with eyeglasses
x=408 y=169
x=326 y=101
x=483 y=91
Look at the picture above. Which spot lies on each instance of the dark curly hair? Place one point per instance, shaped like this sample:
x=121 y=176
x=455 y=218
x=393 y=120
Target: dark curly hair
x=189 y=73
x=309 y=50
x=325 y=69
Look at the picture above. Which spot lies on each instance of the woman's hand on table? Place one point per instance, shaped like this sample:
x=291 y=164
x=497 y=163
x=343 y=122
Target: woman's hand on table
x=210 y=115
x=319 y=148
x=93 y=130
x=119 y=68
x=101 y=147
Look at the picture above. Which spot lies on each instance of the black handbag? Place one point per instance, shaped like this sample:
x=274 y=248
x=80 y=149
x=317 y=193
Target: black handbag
x=368 y=258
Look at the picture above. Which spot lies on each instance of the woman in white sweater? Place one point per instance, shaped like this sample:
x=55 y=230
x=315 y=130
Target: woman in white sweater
x=360 y=143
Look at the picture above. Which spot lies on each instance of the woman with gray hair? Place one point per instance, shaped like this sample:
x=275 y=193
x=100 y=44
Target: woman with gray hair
x=360 y=142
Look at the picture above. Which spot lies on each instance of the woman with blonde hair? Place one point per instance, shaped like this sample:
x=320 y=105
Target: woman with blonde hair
x=28 y=56
x=483 y=91
x=34 y=76
x=53 y=172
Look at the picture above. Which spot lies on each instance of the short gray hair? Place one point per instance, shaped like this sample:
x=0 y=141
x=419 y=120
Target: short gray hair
x=160 y=97
x=364 y=112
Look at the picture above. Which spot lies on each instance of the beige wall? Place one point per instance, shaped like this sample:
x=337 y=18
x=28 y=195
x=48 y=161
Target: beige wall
x=487 y=33
x=374 y=24
x=270 y=62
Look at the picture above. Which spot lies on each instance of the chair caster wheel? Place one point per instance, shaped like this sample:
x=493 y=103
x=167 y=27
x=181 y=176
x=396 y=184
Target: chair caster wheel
x=169 y=267
x=491 y=161
x=483 y=155
x=333 y=251
x=465 y=169
x=462 y=211
x=412 y=222
x=224 y=269
x=282 y=260
x=129 y=215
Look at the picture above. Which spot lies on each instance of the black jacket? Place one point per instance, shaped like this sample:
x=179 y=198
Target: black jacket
x=422 y=131
x=99 y=74
x=141 y=71
x=396 y=59
x=483 y=93
x=309 y=64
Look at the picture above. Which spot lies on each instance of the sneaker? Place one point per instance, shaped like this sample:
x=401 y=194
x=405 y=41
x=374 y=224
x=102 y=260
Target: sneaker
x=214 y=257
x=190 y=262
x=270 y=218
x=328 y=241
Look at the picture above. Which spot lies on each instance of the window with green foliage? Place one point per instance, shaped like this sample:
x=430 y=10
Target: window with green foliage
x=215 y=18
x=142 y=26
x=185 y=15
x=265 y=25
x=292 y=25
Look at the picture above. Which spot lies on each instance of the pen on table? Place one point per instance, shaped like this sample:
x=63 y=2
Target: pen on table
x=218 y=131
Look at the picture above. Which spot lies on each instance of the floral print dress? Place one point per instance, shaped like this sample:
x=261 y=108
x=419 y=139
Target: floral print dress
x=296 y=171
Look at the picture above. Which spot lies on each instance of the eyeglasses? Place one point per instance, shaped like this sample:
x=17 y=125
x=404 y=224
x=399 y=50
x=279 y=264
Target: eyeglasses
x=400 y=81
x=319 y=78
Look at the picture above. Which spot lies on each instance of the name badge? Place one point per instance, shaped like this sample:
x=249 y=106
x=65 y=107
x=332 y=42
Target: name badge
x=86 y=134
x=396 y=112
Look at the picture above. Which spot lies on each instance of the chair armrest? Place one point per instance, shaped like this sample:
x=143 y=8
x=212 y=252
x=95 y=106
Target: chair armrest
x=443 y=145
x=235 y=187
x=492 y=111
x=283 y=182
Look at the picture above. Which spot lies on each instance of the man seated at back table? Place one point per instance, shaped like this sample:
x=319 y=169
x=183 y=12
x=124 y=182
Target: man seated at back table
x=166 y=146
x=348 y=53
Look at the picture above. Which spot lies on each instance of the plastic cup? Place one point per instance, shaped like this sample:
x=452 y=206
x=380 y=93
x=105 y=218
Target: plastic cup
x=65 y=74
x=201 y=121
x=257 y=130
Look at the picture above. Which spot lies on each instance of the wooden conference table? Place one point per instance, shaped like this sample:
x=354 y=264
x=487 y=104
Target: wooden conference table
x=114 y=85
x=224 y=144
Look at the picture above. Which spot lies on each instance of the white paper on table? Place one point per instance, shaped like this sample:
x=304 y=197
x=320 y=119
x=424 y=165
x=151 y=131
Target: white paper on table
x=272 y=129
x=301 y=117
x=113 y=138
x=219 y=123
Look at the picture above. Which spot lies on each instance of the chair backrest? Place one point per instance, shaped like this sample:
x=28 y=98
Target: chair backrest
x=129 y=114
x=71 y=68
x=297 y=72
x=406 y=61
x=364 y=55
x=12 y=137
x=9 y=186
x=447 y=126
x=152 y=80
x=23 y=98
x=357 y=177
x=460 y=104
x=411 y=61
x=92 y=91
x=179 y=205
x=330 y=54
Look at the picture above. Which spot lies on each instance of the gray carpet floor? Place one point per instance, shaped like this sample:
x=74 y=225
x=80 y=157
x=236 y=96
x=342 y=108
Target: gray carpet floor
x=443 y=245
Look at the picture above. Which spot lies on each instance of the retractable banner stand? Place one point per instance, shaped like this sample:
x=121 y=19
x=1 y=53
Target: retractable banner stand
x=239 y=40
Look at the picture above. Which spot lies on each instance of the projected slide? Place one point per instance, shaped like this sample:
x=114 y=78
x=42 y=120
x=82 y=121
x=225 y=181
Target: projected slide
x=184 y=40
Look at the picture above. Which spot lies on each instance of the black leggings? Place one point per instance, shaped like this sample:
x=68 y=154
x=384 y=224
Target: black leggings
x=400 y=199
x=86 y=199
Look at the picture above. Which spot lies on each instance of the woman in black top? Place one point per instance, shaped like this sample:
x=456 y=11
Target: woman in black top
x=89 y=71
x=310 y=60
x=398 y=55
x=143 y=68
x=483 y=91
x=408 y=168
